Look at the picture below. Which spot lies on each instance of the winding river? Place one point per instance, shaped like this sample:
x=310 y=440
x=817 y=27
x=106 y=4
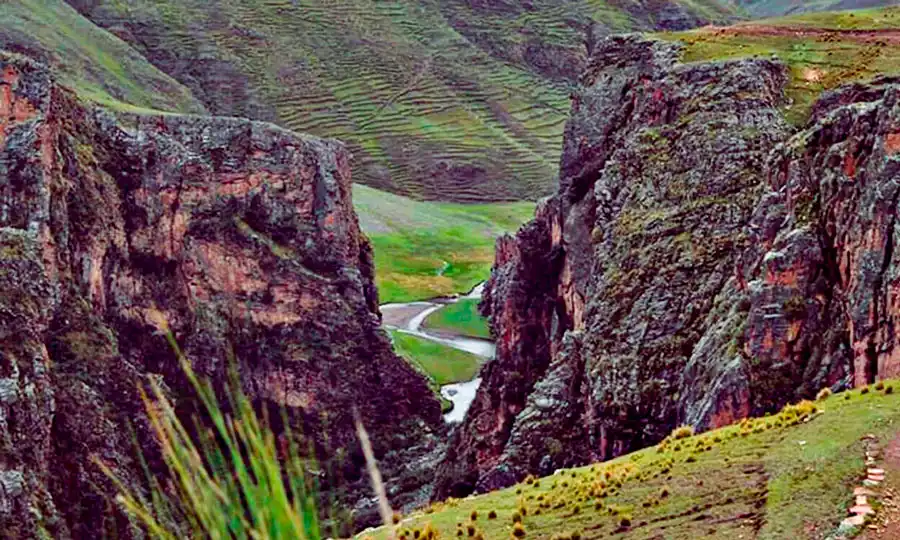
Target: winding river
x=408 y=318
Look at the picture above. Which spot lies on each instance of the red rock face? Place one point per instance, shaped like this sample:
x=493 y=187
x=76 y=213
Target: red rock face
x=238 y=237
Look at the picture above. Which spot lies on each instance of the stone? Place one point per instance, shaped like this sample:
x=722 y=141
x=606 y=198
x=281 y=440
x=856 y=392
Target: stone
x=854 y=521
x=863 y=492
x=863 y=509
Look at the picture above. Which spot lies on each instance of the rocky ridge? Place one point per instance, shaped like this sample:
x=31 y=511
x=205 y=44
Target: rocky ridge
x=238 y=237
x=699 y=263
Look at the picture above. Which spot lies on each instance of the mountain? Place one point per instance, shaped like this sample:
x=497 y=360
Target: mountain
x=237 y=240
x=721 y=242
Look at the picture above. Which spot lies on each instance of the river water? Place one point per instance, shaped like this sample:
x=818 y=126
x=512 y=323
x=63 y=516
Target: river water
x=408 y=318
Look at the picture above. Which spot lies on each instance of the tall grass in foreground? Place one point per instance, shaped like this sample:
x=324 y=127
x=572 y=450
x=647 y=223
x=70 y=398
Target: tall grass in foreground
x=228 y=481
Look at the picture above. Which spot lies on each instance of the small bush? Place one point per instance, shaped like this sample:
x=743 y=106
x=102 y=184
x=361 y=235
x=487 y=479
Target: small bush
x=690 y=459
x=575 y=535
x=847 y=396
x=396 y=518
x=664 y=492
x=823 y=394
x=492 y=514
x=865 y=390
x=879 y=386
x=683 y=432
x=889 y=390
x=474 y=515
x=470 y=529
x=516 y=517
x=529 y=479
x=625 y=521
x=518 y=530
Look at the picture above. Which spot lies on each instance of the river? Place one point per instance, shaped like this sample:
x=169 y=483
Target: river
x=408 y=318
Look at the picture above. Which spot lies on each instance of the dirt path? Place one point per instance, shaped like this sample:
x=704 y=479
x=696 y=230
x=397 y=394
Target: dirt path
x=887 y=521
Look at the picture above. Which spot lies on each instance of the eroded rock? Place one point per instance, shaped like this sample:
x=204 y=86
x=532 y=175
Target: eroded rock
x=237 y=236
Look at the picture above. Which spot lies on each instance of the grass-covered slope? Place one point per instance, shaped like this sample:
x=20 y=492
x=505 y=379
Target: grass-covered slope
x=790 y=475
x=97 y=64
x=428 y=249
x=822 y=50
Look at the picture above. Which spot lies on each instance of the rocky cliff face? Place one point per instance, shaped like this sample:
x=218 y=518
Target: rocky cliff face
x=238 y=236
x=698 y=264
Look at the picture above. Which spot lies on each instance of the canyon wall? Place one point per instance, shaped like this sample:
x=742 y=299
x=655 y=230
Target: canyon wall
x=700 y=262
x=237 y=237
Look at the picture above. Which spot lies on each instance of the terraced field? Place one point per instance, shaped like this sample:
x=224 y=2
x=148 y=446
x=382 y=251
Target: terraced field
x=789 y=475
x=98 y=65
x=439 y=100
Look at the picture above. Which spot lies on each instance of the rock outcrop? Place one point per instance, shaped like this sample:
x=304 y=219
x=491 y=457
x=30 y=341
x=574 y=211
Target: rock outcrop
x=239 y=237
x=699 y=263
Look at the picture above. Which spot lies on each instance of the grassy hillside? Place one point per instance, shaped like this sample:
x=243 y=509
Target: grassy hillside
x=97 y=64
x=790 y=475
x=428 y=249
x=822 y=50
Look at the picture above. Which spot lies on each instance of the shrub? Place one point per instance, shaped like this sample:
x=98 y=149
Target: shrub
x=470 y=529
x=683 y=432
x=474 y=515
x=823 y=394
x=889 y=390
x=518 y=530
x=690 y=459
x=516 y=517
x=529 y=479
x=865 y=390
x=879 y=385
x=575 y=535
x=492 y=514
x=625 y=521
x=396 y=518
x=847 y=396
x=664 y=492
x=255 y=490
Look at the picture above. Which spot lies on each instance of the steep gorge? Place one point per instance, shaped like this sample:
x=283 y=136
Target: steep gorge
x=237 y=237
x=700 y=262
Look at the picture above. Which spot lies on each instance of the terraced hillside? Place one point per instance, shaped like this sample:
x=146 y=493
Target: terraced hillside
x=98 y=65
x=789 y=475
x=439 y=100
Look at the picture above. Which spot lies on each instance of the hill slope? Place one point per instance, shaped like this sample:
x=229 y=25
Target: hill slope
x=790 y=475
x=441 y=100
x=95 y=63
